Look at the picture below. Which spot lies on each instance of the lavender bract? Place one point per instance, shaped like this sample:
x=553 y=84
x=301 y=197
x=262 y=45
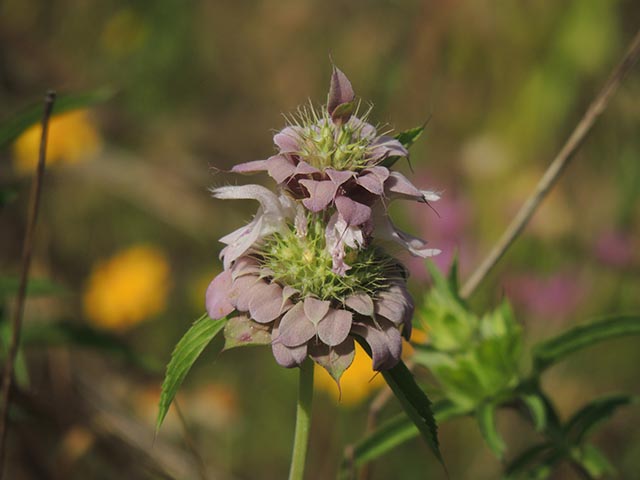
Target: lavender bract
x=307 y=273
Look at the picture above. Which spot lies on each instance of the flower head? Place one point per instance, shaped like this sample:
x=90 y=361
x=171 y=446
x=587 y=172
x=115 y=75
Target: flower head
x=307 y=274
x=333 y=160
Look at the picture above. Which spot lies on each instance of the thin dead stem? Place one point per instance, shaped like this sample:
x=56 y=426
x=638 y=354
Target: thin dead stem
x=558 y=165
x=27 y=250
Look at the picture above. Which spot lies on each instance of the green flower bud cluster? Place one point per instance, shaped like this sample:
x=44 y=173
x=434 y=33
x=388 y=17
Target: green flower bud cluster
x=325 y=144
x=304 y=263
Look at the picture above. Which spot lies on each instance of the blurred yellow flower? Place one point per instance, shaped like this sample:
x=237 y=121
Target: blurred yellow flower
x=357 y=383
x=127 y=288
x=72 y=138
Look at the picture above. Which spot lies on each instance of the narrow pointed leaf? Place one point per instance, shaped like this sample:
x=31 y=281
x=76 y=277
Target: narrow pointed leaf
x=527 y=459
x=551 y=351
x=413 y=400
x=593 y=414
x=393 y=433
x=183 y=357
x=593 y=461
x=485 y=415
x=408 y=137
x=537 y=410
x=12 y=128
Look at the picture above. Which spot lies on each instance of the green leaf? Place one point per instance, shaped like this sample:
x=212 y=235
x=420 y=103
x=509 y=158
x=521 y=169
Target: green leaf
x=36 y=287
x=594 y=413
x=414 y=401
x=593 y=461
x=453 y=277
x=408 y=137
x=12 y=128
x=485 y=415
x=528 y=458
x=392 y=433
x=549 y=352
x=343 y=111
x=183 y=357
x=537 y=409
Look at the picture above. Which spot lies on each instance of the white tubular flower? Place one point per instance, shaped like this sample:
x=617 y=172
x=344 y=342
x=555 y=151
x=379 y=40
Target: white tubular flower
x=271 y=217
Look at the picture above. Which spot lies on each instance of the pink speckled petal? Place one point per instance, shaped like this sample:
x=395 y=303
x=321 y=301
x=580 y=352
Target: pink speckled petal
x=321 y=194
x=303 y=168
x=334 y=359
x=354 y=213
x=400 y=185
x=340 y=91
x=266 y=304
x=243 y=290
x=315 y=309
x=251 y=167
x=339 y=176
x=217 y=296
x=385 y=147
x=280 y=168
x=287 y=357
x=334 y=327
x=287 y=140
x=361 y=303
x=385 y=343
x=295 y=328
x=245 y=266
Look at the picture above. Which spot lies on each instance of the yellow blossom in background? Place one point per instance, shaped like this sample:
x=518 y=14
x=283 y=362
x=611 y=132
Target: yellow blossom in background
x=72 y=138
x=357 y=383
x=127 y=288
x=417 y=336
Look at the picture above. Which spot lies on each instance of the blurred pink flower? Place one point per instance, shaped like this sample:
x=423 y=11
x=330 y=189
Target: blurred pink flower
x=447 y=230
x=614 y=248
x=554 y=296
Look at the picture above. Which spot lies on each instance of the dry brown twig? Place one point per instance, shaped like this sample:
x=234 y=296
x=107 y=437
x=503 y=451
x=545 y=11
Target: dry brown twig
x=544 y=186
x=27 y=250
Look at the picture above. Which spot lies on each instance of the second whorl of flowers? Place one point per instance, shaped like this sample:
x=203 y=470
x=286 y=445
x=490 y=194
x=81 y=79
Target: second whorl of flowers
x=306 y=274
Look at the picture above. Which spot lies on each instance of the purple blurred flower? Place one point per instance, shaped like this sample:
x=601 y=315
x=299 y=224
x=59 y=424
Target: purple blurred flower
x=556 y=296
x=614 y=248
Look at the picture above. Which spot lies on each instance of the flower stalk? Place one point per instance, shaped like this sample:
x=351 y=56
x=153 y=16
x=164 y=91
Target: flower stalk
x=303 y=421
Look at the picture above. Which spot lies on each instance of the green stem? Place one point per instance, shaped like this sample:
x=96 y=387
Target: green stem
x=303 y=421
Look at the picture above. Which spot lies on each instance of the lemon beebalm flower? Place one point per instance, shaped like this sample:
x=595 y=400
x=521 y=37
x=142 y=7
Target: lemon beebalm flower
x=357 y=383
x=128 y=288
x=72 y=138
